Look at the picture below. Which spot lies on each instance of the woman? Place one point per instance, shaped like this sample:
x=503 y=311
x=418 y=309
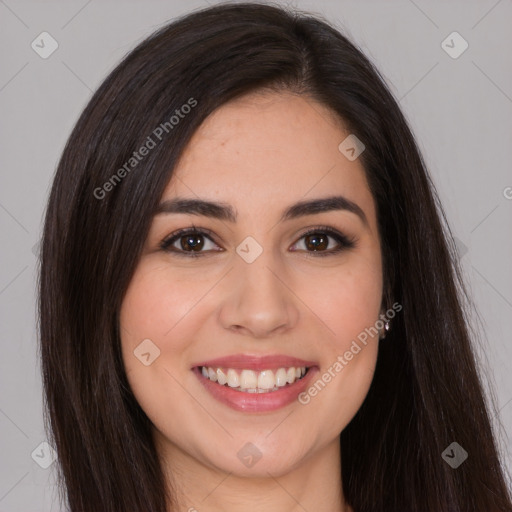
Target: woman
x=248 y=298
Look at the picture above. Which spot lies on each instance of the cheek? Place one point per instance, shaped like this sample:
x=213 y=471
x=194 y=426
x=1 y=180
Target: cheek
x=349 y=306
x=153 y=316
x=352 y=314
x=153 y=303
x=348 y=301
x=153 y=335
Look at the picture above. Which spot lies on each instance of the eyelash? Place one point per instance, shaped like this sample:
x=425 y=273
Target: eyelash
x=344 y=241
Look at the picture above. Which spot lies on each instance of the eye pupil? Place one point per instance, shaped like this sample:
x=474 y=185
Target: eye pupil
x=316 y=241
x=194 y=242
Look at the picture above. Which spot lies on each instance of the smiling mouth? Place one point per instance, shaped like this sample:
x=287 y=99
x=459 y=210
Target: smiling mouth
x=251 y=381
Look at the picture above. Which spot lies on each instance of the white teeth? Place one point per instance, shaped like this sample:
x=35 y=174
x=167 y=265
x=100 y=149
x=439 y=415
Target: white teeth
x=221 y=376
x=254 y=382
x=233 y=379
x=266 y=379
x=248 y=379
x=281 y=377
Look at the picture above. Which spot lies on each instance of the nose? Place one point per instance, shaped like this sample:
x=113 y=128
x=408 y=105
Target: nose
x=258 y=300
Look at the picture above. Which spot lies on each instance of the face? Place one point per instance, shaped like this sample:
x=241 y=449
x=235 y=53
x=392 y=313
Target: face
x=256 y=292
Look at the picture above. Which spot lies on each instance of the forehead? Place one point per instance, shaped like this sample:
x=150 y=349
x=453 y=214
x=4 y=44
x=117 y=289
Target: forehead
x=269 y=149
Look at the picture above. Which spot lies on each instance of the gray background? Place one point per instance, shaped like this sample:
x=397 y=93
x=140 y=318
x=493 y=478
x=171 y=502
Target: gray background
x=460 y=110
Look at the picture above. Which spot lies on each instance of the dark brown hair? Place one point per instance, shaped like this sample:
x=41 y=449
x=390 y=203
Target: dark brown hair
x=426 y=391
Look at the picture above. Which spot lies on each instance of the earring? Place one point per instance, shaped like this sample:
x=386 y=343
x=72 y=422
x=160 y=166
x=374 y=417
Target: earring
x=387 y=326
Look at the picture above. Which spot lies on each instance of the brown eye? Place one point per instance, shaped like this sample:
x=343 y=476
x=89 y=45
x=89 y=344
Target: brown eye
x=189 y=242
x=318 y=240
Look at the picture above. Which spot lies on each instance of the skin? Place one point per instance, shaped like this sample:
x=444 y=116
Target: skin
x=260 y=154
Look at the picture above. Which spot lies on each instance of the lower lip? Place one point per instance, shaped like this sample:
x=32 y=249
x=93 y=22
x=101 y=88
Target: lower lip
x=256 y=402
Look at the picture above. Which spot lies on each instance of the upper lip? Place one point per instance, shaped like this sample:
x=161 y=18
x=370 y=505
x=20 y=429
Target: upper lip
x=256 y=362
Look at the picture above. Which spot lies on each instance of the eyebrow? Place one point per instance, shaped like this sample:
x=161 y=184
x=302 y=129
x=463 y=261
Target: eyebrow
x=223 y=211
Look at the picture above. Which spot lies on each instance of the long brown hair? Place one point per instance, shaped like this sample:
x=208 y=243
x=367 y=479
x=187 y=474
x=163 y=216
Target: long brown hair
x=426 y=392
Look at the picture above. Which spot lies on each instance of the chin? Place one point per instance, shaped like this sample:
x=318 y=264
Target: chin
x=259 y=456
